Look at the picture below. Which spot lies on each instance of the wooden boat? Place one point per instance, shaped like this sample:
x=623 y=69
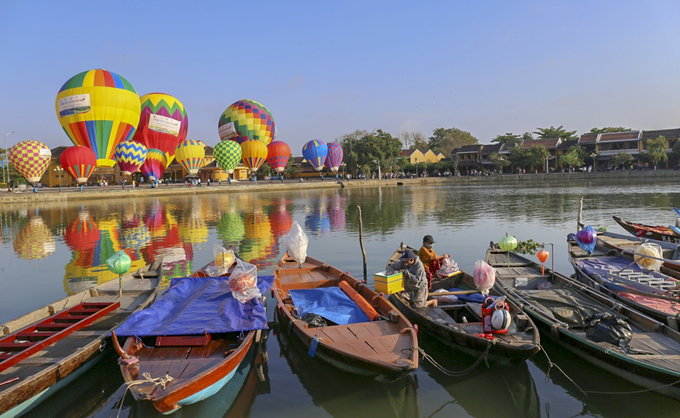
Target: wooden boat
x=459 y=325
x=45 y=350
x=560 y=309
x=384 y=348
x=659 y=232
x=171 y=371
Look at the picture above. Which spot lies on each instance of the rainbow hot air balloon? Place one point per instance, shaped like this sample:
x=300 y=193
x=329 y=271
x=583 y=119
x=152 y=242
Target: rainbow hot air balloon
x=247 y=119
x=228 y=155
x=154 y=165
x=334 y=158
x=254 y=154
x=315 y=152
x=31 y=159
x=79 y=162
x=98 y=109
x=278 y=154
x=163 y=123
x=190 y=154
x=130 y=155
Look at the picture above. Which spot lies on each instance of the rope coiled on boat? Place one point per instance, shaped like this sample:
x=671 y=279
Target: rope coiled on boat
x=156 y=381
x=454 y=373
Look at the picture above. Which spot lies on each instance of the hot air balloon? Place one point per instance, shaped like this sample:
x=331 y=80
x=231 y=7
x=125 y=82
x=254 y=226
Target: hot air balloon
x=334 y=158
x=79 y=162
x=31 y=159
x=278 y=154
x=154 y=165
x=247 y=119
x=98 y=109
x=228 y=155
x=190 y=154
x=163 y=123
x=130 y=155
x=315 y=152
x=254 y=154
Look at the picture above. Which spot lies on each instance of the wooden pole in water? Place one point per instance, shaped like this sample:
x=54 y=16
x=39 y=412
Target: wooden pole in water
x=580 y=212
x=361 y=242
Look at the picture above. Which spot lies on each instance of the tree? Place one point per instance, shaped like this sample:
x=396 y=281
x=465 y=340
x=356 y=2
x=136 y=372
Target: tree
x=446 y=140
x=420 y=144
x=508 y=138
x=552 y=132
x=675 y=151
x=519 y=157
x=369 y=148
x=349 y=144
x=409 y=139
x=622 y=158
x=656 y=150
x=291 y=168
x=537 y=155
x=498 y=161
x=574 y=157
x=608 y=129
x=527 y=136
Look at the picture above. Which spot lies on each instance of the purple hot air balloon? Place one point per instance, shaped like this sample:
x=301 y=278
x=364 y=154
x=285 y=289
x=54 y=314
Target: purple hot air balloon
x=586 y=239
x=334 y=158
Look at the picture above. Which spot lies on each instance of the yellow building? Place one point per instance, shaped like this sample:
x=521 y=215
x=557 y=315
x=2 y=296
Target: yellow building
x=415 y=156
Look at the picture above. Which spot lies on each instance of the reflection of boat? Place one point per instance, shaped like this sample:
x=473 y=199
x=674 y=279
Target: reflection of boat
x=48 y=348
x=561 y=307
x=659 y=232
x=335 y=392
x=380 y=345
x=181 y=355
x=620 y=277
x=459 y=324
x=485 y=392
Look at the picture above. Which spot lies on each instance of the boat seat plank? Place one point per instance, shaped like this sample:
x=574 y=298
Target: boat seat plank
x=513 y=272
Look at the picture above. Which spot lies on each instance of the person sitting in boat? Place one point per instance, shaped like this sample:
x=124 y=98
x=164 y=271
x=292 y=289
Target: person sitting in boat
x=430 y=259
x=415 y=279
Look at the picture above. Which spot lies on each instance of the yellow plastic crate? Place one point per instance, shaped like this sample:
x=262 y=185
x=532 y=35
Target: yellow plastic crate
x=388 y=284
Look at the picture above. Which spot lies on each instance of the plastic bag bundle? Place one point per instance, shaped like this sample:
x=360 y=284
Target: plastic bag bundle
x=484 y=276
x=448 y=267
x=604 y=327
x=653 y=250
x=243 y=281
x=119 y=263
x=223 y=261
x=296 y=243
x=446 y=299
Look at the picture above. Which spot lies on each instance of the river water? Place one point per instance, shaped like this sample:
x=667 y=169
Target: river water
x=51 y=250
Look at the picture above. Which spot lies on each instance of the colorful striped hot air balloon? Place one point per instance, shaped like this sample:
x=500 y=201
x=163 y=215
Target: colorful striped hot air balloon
x=98 y=109
x=79 y=162
x=163 y=123
x=228 y=155
x=278 y=154
x=154 y=165
x=190 y=154
x=315 y=152
x=31 y=159
x=247 y=119
x=334 y=158
x=254 y=154
x=130 y=155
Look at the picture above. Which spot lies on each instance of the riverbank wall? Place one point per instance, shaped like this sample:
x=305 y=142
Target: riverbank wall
x=97 y=193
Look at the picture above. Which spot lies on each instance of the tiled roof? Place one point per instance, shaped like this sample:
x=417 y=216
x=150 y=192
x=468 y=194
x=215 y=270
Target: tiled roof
x=587 y=138
x=467 y=149
x=668 y=133
x=406 y=152
x=489 y=149
x=568 y=144
x=56 y=152
x=550 y=143
x=619 y=136
x=209 y=151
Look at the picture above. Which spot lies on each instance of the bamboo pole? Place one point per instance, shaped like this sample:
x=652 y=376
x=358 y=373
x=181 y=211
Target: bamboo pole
x=361 y=242
x=580 y=212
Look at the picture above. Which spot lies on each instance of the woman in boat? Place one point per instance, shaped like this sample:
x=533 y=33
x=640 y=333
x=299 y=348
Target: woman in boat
x=430 y=259
x=415 y=279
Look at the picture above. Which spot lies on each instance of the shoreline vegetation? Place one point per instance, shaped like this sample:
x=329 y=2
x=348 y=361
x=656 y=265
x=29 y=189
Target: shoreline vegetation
x=116 y=192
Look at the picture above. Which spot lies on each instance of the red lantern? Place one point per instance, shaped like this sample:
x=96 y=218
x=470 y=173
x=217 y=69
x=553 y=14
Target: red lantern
x=543 y=257
x=79 y=162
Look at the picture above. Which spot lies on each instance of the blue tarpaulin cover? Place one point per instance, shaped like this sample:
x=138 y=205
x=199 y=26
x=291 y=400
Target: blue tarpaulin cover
x=197 y=305
x=329 y=302
x=472 y=297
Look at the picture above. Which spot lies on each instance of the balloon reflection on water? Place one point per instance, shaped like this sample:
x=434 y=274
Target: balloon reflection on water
x=34 y=240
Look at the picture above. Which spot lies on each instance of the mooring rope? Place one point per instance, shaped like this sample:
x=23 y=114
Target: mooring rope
x=157 y=381
x=453 y=373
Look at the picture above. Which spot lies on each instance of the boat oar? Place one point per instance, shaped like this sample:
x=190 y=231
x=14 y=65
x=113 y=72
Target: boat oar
x=625 y=289
x=455 y=292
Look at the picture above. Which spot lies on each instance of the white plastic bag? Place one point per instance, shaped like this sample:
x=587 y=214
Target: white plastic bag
x=296 y=243
x=484 y=276
x=650 y=249
x=223 y=261
x=448 y=267
x=447 y=299
x=243 y=281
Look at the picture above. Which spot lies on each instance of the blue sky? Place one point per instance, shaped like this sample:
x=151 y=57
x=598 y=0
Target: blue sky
x=325 y=69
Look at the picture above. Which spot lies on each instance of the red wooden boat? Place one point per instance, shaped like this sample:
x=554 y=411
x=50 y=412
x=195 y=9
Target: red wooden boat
x=658 y=232
x=178 y=370
x=45 y=350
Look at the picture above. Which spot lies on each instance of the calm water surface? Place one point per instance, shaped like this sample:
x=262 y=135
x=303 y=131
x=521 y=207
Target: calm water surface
x=52 y=250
